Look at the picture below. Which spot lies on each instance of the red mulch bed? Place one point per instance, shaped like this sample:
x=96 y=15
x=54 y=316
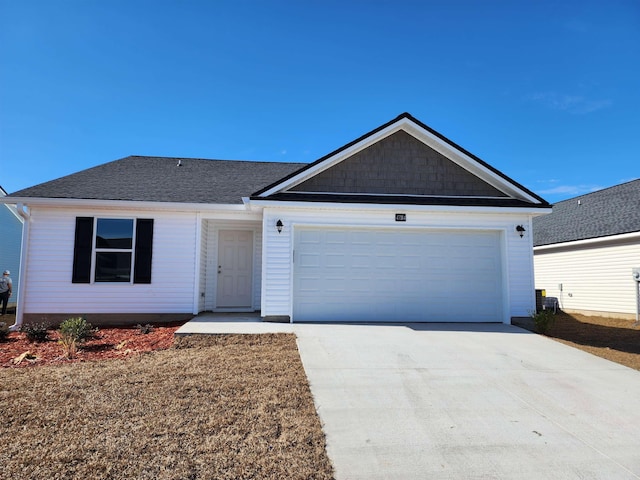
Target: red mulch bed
x=107 y=343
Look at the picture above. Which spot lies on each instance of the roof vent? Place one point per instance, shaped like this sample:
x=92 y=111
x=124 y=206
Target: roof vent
x=579 y=202
x=179 y=164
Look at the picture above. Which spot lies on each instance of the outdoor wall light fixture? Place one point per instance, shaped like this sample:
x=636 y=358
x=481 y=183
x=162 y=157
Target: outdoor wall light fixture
x=279 y=226
x=520 y=229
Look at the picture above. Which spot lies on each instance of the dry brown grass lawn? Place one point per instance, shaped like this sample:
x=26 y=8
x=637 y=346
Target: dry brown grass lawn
x=223 y=407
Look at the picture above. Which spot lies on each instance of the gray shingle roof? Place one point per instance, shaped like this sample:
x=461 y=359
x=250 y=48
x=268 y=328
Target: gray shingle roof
x=612 y=211
x=159 y=179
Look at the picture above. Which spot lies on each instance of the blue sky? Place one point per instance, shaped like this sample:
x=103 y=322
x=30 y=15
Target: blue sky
x=547 y=92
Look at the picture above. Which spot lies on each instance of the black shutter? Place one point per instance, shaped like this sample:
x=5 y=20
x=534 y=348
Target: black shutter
x=82 y=250
x=144 y=251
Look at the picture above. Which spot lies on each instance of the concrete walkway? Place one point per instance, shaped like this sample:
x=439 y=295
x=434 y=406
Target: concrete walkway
x=207 y=323
x=467 y=401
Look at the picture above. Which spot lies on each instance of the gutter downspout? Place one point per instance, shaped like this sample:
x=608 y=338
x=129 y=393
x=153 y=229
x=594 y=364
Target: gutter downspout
x=195 y=309
x=24 y=213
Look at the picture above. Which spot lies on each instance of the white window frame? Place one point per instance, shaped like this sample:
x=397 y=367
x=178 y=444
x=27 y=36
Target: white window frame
x=95 y=250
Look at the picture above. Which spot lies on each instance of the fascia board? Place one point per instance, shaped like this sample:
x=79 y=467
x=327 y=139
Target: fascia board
x=397 y=207
x=170 y=206
x=588 y=241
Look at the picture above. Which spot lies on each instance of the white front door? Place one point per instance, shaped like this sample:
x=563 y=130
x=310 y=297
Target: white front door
x=235 y=269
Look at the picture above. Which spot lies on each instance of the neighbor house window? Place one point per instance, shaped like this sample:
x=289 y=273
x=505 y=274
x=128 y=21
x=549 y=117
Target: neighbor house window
x=112 y=250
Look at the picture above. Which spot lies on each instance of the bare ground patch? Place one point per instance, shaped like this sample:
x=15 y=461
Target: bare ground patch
x=233 y=406
x=611 y=338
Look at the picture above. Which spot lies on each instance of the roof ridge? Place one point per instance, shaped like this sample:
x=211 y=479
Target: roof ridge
x=155 y=179
x=597 y=191
x=206 y=159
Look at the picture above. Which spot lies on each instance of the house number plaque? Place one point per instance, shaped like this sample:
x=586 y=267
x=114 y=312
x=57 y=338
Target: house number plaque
x=401 y=217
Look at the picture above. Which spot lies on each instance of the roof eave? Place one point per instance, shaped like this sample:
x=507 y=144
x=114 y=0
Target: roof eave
x=588 y=241
x=400 y=199
x=147 y=205
x=268 y=203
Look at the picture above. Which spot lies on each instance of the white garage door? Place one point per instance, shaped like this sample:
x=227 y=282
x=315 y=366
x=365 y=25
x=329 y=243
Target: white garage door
x=392 y=276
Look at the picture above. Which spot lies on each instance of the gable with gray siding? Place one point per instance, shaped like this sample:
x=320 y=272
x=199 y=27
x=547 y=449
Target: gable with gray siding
x=402 y=165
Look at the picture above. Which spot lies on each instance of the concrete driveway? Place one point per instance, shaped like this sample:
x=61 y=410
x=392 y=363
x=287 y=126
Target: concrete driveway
x=469 y=402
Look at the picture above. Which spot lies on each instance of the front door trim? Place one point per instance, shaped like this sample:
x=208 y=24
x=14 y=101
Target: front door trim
x=240 y=261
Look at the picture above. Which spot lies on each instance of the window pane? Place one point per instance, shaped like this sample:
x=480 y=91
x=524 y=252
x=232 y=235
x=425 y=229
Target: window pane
x=113 y=266
x=114 y=233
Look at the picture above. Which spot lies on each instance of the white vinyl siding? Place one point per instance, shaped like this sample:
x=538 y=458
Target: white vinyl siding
x=518 y=256
x=175 y=281
x=50 y=262
x=204 y=254
x=518 y=295
x=594 y=277
x=276 y=275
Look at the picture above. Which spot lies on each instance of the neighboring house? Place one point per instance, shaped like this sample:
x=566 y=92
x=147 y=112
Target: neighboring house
x=399 y=225
x=584 y=251
x=10 y=243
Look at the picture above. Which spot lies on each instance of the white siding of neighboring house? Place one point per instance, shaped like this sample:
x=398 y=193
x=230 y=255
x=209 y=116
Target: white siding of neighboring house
x=519 y=293
x=595 y=277
x=49 y=269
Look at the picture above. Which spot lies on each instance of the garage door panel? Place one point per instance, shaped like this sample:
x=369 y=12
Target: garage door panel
x=485 y=291
x=360 y=238
x=336 y=237
x=309 y=259
x=485 y=262
x=337 y=260
x=360 y=260
x=385 y=262
x=386 y=276
x=359 y=285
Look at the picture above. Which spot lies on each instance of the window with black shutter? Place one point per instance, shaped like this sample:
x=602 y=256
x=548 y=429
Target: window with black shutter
x=144 y=250
x=114 y=250
x=83 y=250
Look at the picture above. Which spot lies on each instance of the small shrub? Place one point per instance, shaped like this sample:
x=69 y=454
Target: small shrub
x=4 y=331
x=543 y=320
x=144 y=329
x=77 y=328
x=73 y=332
x=35 y=332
